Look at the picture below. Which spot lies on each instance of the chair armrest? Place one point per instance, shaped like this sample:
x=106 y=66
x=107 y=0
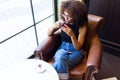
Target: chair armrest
x=94 y=58
x=95 y=53
x=48 y=47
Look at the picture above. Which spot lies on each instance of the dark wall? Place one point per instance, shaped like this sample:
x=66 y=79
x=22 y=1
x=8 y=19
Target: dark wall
x=110 y=30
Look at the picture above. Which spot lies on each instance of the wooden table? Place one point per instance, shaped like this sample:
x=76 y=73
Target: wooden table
x=30 y=69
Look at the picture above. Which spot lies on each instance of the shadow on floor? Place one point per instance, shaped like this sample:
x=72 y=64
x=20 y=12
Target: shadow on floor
x=110 y=67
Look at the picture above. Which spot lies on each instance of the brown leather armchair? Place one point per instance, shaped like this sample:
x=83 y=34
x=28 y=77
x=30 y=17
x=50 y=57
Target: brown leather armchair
x=91 y=60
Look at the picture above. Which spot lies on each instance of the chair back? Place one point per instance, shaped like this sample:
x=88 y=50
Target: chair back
x=94 y=23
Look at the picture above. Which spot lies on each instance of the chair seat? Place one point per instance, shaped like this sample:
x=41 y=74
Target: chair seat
x=78 y=71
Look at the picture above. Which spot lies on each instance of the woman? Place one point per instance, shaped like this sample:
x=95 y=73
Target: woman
x=73 y=31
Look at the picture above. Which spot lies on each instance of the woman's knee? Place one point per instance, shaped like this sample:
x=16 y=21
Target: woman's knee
x=61 y=55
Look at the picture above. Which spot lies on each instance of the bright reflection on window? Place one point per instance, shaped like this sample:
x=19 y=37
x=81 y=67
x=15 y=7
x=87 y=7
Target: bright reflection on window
x=42 y=10
x=43 y=27
x=15 y=15
x=15 y=18
x=17 y=48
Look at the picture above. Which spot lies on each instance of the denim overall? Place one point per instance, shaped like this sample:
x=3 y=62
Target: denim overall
x=66 y=57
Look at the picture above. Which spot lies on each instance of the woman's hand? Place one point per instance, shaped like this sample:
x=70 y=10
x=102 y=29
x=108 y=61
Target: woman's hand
x=67 y=30
x=57 y=25
x=54 y=28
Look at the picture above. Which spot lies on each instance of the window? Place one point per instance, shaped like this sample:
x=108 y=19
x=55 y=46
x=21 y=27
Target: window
x=23 y=25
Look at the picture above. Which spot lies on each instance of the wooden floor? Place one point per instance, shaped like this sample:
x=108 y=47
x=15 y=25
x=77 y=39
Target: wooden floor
x=112 y=78
x=110 y=67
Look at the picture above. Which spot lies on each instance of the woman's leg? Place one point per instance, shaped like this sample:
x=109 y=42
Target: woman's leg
x=61 y=61
x=61 y=64
x=74 y=58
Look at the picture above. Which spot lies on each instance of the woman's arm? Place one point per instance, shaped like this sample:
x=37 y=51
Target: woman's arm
x=81 y=37
x=54 y=28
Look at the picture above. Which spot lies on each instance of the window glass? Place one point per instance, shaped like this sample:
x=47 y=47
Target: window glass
x=15 y=15
x=18 y=37
x=42 y=9
x=43 y=27
x=17 y=48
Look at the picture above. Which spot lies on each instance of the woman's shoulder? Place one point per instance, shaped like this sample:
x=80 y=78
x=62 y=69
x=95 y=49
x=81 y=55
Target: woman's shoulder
x=83 y=28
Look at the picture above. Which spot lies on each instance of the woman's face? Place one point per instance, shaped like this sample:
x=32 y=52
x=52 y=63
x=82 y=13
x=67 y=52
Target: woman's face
x=67 y=17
